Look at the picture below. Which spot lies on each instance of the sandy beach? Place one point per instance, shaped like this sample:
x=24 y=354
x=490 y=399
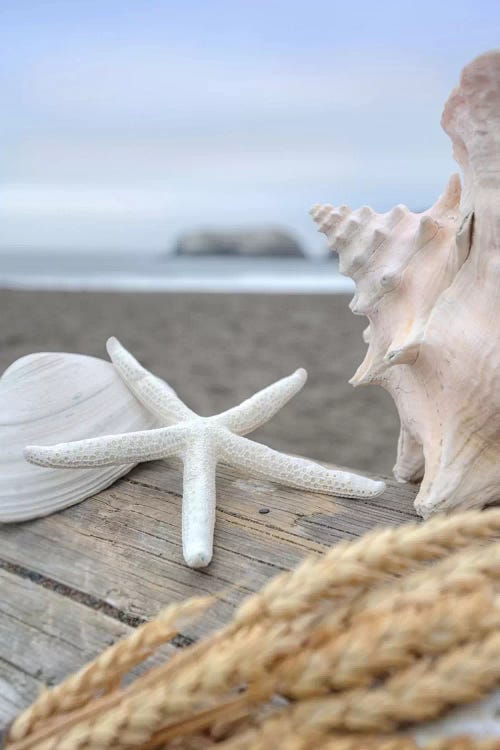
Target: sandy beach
x=217 y=349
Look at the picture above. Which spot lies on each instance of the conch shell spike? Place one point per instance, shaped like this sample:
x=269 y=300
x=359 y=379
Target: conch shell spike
x=405 y=355
x=427 y=230
x=366 y=213
x=397 y=214
x=450 y=199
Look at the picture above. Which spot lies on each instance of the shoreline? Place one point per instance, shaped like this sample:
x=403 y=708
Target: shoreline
x=192 y=285
x=214 y=275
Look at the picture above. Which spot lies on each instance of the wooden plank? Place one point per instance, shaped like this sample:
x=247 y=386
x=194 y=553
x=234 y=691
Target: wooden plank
x=44 y=637
x=123 y=547
x=17 y=690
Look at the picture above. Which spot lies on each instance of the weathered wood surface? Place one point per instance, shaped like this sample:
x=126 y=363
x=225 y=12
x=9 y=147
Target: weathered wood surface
x=75 y=581
x=43 y=637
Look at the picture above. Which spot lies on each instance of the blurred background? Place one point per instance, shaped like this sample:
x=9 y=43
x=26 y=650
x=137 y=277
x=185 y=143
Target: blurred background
x=157 y=164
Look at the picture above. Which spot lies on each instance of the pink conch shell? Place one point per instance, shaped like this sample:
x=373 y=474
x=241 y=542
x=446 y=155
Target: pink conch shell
x=429 y=284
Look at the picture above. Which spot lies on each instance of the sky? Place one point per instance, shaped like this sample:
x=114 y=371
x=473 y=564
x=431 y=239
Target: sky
x=125 y=123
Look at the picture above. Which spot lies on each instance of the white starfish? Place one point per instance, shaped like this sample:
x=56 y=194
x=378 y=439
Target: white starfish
x=201 y=442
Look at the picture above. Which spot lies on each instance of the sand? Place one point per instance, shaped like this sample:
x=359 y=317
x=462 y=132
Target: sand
x=217 y=349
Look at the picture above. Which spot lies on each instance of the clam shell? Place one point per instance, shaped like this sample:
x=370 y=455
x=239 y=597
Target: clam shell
x=48 y=398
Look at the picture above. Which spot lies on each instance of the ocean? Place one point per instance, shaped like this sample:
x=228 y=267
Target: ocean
x=114 y=272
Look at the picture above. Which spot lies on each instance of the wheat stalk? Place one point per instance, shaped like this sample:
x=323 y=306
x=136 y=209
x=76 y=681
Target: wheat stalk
x=372 y=649
x=416 y=694
x=398 y=639
x=351 y=566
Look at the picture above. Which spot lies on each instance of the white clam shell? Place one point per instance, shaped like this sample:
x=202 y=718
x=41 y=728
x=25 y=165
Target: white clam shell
x=48 y=398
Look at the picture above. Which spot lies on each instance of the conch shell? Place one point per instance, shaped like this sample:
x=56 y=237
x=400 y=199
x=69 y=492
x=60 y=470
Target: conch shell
x=55 y=397
x=429 y=284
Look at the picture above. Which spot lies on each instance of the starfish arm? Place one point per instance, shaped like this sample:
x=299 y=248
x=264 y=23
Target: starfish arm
x=156 y=395
x=261 y=461
x=259 y=408
x=110 y=450
x=198 y=503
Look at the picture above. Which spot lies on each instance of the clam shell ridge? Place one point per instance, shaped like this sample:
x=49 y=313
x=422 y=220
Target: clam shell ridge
x=429 y=285
x=48 y=398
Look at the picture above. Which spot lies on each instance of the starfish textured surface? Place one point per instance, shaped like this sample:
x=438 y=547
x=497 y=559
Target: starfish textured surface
x=201 y=442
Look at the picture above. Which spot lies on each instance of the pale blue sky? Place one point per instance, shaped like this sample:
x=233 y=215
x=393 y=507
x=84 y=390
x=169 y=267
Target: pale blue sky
x=122 y=123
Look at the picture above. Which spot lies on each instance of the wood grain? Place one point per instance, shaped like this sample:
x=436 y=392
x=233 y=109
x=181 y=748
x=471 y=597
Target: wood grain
x=121 y=552
x=44 y=637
